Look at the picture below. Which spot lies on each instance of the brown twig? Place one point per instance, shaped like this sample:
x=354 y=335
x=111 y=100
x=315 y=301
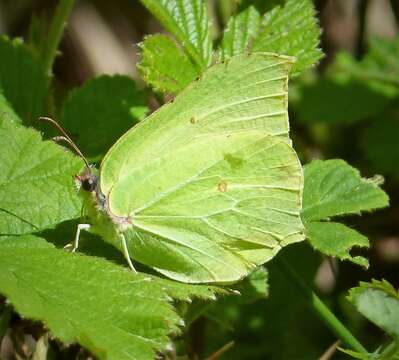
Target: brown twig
x=330 y=351
x=221 y=351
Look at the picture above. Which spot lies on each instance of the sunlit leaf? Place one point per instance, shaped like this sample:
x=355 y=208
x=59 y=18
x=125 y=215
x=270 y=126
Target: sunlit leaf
x=36 y=181
x=164 y=65
x=106 y=308
x=334 y=188
x=292 y=30
x=187 y=20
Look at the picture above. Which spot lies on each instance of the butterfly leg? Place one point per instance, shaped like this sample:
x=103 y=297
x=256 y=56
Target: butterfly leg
x=78 y=230
x=126 y=253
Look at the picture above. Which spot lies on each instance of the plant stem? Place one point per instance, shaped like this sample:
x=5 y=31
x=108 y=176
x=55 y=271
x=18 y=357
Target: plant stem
x=320 y=308
x=390 y=350
x=55 y=33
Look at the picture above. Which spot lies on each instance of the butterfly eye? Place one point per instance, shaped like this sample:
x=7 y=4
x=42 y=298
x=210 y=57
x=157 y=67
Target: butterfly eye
x=89 y=184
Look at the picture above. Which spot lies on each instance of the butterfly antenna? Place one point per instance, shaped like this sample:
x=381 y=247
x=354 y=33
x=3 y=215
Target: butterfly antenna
x=65 y=137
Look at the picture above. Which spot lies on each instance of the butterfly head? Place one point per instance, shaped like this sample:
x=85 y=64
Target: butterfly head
x=87 y=180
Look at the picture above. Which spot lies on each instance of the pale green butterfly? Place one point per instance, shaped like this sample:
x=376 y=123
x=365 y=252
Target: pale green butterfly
x=208 y=187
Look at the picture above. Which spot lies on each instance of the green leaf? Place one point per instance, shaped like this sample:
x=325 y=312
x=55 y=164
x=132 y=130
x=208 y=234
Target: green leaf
x=106 y=308
x=36 y=181
x=378 y=301
x=187 y=20
x=291 y=30
x=334 y=188
x=240 y=32
x=164 y=66
x=210 y=181
x=100 y=111
x=22 y=79
x=335 y=239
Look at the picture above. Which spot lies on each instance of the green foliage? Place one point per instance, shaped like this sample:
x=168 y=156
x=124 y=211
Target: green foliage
x=187 y=20
x=291 y=30
x=210 y=182
x=378 y=301
x=338 y=98
x=379 y=67
x=100 y=111
x=36 y=181
x=288 y=30
x=22 y=80
x=335 y=239
x=106 y=308
x=279 y=327
x=240 y=32
x=334 y=188
x=164 y=65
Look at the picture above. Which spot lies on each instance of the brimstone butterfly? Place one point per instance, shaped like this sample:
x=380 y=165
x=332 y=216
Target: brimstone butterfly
x=208 y=187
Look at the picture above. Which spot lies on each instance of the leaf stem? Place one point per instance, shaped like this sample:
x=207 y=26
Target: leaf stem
x=55 y=33
x=320 y=308
x=390 y=350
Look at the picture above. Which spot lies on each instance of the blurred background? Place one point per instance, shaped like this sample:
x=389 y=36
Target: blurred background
x=345 y=108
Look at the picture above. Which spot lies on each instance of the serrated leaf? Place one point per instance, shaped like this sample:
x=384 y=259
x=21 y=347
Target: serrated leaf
x=292 y=30
x=164 y=66
x=240 y=32
x=106 y=308
x=335 y=239
x=36 y=181
x=378 y=301
x=187 y=20
x=334 y=188
x=102 y=110
x=23 y=79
